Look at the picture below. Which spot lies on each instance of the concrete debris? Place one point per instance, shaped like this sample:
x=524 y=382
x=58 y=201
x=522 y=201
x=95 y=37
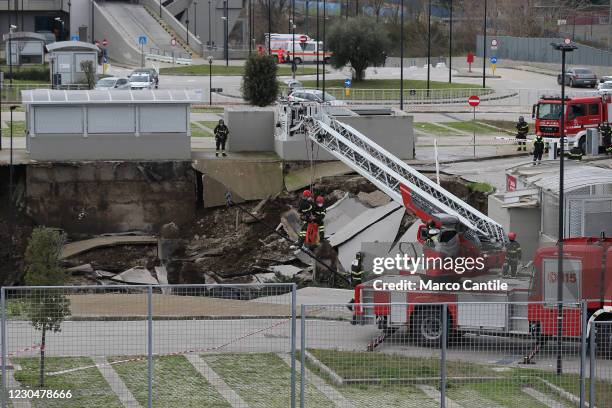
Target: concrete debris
x=140 y=276
x=81 y=269
x=283 y=271
x=123 y=234
x=382 y=230
x=257 y=212
x=291 y=223
x=169 y=231
x=374 y=199
x=341 y=213
x=100 y=274
x=77 y=247
x=363 y=221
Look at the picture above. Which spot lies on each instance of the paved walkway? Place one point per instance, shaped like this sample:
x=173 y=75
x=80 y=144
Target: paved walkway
x=434 y=394
x=216 y=381
x=116 y=383
x=13 y=384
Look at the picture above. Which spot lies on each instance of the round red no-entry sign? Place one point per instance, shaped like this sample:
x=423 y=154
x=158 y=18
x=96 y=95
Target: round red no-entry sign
x=105 y=42
x=303 y=38
x=474 y=101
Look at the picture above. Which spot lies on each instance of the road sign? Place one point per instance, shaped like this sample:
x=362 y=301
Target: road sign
x=561 y=22
x=142 y=40
x=347 y=82
x=216 y=90
x=494 y=44
x=567 y=41
x=74 y=38
x=104 y=42
x=493 y=60
x=173 y=42
x=303 y=38
x=412 y=92
x=474 y=101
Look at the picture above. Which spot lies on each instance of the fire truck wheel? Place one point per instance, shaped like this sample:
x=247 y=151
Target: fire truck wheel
x=427 y=327
x=298 y=60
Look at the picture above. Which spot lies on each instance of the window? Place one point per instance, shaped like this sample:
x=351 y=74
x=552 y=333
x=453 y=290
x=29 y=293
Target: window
x=576 y=111
x=594 y=109
x=549 y=111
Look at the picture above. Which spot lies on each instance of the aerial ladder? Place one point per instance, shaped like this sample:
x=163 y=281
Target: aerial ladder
x=465 y=230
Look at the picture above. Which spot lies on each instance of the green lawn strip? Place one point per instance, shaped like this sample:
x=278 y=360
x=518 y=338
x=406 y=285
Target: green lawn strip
x=176 y=383
x=88 y=387
x=481 y=187
x=571 y=384
x=232 y=70
x=387 y=395
x=211 y=124
x=430 y=127
x=503 y=124
x=261 y=379
x=393 y=84
x=18 y=128
x=210 y=109
x=505 y=393
x=469 y=126
x=197 y=131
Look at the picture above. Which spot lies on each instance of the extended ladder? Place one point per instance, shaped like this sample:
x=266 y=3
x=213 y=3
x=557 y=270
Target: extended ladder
x=389 y=173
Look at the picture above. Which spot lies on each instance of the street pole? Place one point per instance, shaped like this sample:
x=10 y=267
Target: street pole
x=195 y=19
x=484 y=47
x=324 y=47
x=250 y=8
x=187 y=26
x=428 y=45
x=306 y=26
x=318 y=40
x=226 y=11
x=402 y=55
x=11 y=213
x=567 y=46
x=93 y=23
x=293 y=66
x=210 y=61
x=209 y=28
x=269 y=28
x=450 y=44
x=160 y=9
x=10 y=51
x=474 y=130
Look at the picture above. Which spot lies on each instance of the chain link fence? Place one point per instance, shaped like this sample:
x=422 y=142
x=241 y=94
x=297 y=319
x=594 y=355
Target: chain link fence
x=149 y=346
x=496 y=354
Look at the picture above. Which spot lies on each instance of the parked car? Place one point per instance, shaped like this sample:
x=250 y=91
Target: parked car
x=605 y=78
x=152 y=72
x=312 y=95
x=141 y=81
x=292 y=84
x=579 y=77
x=112 y=83
x=605 y=88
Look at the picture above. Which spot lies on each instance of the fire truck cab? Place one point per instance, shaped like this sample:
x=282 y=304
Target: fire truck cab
x=581 y=113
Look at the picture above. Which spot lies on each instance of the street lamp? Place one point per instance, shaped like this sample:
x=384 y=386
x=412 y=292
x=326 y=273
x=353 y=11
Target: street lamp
x=293 y=66
x=225 y=41
x=402 y=55
x=187 y=25
x=318 y=42
x=564 y=47
x=484 y=47
x=324 y=46
x=195 y=18
x=210 y=62
x=59 y=20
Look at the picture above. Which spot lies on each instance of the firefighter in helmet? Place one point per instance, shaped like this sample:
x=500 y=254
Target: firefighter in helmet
x=606 y=137
x=538 y=149
x=432 y=234
x=305 y=209
x=357 y=269
x=522 y=128
x=319 y=211
x=514 y=254
x=221 y=132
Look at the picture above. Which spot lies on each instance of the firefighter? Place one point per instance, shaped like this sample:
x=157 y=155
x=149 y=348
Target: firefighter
x=522 y=128
x=538 y=149
x=575 y=153
x=513 y=255
x=606 y=137
x=319 y=212
x=221 y=132
x=432 y=239
x=305 y=209
x=357 y=269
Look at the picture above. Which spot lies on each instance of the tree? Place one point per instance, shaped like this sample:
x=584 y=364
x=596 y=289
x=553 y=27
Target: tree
x=259 y=84
x=360 y=42
x=90 y=73
x=46 y=308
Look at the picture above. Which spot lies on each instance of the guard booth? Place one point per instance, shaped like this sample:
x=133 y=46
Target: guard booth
x=65 y=61
x=26 y=48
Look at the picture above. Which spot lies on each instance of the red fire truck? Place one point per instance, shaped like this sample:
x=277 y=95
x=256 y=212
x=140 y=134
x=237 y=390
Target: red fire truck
x=581 y=113
x=485 y=305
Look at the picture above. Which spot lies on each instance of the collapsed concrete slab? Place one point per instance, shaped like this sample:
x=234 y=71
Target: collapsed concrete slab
x=138 y=276
x=363 y=221
x=341 y=213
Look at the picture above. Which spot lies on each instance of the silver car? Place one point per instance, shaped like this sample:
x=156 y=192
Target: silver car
x=579 y=77
x=141 y=81
x=313 y=95
x=112 y=83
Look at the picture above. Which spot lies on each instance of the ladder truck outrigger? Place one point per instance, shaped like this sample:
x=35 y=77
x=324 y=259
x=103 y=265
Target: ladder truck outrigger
x=462 y=231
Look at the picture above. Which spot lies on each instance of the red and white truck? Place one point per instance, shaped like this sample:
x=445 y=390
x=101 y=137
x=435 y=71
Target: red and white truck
x=306 y=48
x=581 y=113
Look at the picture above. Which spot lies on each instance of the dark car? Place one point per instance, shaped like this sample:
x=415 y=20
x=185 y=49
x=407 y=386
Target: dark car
x=579 y=77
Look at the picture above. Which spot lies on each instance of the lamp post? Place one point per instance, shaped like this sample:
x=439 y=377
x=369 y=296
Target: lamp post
x=450 y=44
x=428 y=44
x=484 y=47
x=318 y=42
x=324 y=47
x=187 y=26
x=402 y=55
x=210 y=62
x=209 y=28
x=225 y=41
x=195 y=18
x=12 y=28
x=59 y=20
x=564 y=47
x=11 y=214
x=293 y=66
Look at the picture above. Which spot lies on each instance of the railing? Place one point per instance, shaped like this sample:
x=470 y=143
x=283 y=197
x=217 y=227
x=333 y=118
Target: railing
x=12 y=93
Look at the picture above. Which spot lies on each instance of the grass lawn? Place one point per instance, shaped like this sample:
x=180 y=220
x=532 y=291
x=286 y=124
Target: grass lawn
x=470 y=127
x=232 y=70
x=481 y=187
x=432 y=128
x=504 y=124
x=176 y=383
x=209 y=109
x=211 y=124
x=197 y=131
x=88 y=387
x=261 y=380
x=391 y=84
x=18 y=128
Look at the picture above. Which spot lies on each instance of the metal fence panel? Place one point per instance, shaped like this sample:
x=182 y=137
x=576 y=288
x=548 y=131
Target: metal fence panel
x=599 y=385
x=155 y=346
